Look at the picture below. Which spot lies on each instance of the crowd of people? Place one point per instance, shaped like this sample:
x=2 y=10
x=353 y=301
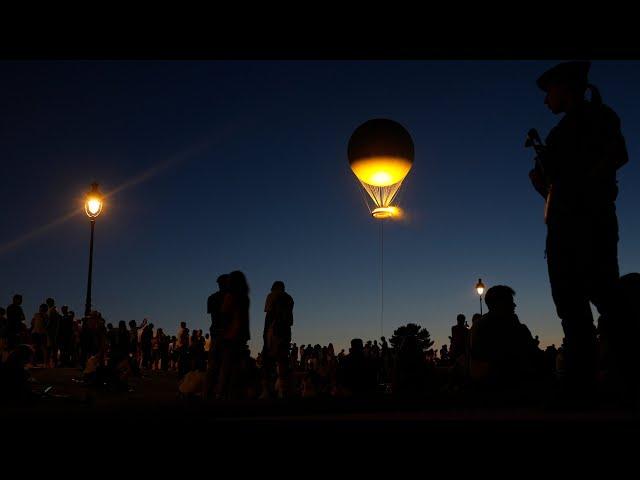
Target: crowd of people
x=106 y=354
x=496 y=350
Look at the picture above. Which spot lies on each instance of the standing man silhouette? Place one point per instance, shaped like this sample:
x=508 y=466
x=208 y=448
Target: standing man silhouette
x=218 y=325
x=277 y=339
x=577 y=175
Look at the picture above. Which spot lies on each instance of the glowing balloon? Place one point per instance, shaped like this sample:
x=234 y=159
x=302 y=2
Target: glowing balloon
x=380 y=155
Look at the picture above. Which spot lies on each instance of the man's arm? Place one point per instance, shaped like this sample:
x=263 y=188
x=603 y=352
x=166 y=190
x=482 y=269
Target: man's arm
x=209 y=304
x=537 y=180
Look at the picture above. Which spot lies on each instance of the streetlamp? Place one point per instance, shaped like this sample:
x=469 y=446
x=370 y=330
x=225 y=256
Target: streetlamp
x=92 y=207
x=480 y=290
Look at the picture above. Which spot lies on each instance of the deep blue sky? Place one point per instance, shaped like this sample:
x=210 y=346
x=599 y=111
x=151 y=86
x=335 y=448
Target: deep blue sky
x=242 y=165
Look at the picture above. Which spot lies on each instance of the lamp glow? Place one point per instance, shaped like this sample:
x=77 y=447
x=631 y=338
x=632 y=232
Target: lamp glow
x=93 y=203
x=480 y=287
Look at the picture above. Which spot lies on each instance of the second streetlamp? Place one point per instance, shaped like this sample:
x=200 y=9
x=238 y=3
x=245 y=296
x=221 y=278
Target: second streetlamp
x=480 y=290
x=92 y=207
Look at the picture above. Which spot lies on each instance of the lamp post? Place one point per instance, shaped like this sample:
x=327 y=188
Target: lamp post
x=92 y=207
x=480 y=290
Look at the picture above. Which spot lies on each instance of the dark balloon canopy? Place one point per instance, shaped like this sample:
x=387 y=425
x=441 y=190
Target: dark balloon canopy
x=380 y=137
x=380 y=152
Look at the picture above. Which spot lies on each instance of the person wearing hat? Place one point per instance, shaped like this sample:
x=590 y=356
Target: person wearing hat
x=578 y=178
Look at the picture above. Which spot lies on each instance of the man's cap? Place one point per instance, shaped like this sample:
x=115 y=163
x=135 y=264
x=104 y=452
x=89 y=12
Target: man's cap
x=567 y=73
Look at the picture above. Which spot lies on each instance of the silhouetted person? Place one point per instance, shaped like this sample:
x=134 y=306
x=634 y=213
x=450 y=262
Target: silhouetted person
x=65 y=336
x=277 y=339
x=133 y=339
x=101 y=334
x=14 y=385
x=196 y=352
x=444 y=355
x=293 y=353
x=235 y=336
x=620 y=343
x=577 y=176
x=459 y=338
x=121 y=344
x=53 y=330
x=15 y=319
x=182 y=349
x=39 y=334
x=207 y=343
x=409 y=372
x=112 y=338
x=550 y=354
x=3 y=328
x=146 y=339
x=356 y=375
x=163 y=349
x=214 y=306
x=502 y=349
x=218 y=324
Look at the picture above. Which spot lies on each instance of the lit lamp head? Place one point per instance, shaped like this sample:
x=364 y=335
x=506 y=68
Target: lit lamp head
x=93 y=203
x=480 y=287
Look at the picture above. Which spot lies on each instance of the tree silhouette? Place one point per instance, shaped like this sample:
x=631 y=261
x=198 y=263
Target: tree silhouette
x=422 y=336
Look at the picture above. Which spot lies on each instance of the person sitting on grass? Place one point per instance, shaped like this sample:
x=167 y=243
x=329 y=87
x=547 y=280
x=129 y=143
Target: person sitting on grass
x=356 y=374
x=113 y=376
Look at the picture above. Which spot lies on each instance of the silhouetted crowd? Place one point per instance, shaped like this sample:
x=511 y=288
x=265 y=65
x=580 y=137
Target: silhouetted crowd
x=107 y=355
x=496 y=351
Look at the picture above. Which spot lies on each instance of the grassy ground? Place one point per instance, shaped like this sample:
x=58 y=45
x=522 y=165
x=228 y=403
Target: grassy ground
x=152 y=413
x=157 y=392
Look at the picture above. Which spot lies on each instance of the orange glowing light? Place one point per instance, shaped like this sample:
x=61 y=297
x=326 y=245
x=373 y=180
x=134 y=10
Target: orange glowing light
x=93 y=203
x=381 y=171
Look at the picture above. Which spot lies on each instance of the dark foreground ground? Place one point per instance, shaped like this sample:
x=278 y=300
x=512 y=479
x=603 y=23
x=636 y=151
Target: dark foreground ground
x=153 y=412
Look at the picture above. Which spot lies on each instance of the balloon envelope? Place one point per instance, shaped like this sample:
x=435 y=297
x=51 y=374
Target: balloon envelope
x=381 y=152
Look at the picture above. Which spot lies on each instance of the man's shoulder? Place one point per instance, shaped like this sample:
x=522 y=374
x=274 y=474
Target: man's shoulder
x=483 y=321
x=602 y=110
x=288 y=298
x=524 y=329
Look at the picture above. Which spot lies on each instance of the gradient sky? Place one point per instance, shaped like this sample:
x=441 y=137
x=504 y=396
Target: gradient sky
x=216 y=166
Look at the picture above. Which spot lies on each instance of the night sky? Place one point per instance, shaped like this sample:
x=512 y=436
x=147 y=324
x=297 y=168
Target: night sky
x=216 y=166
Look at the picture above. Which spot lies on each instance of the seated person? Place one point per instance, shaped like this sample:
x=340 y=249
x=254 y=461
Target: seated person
x=192 y=384
x=619 y=335
x=14 y=377
x=112 y=376
x=502 y=349
x=410 y=368
x=356 y=374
